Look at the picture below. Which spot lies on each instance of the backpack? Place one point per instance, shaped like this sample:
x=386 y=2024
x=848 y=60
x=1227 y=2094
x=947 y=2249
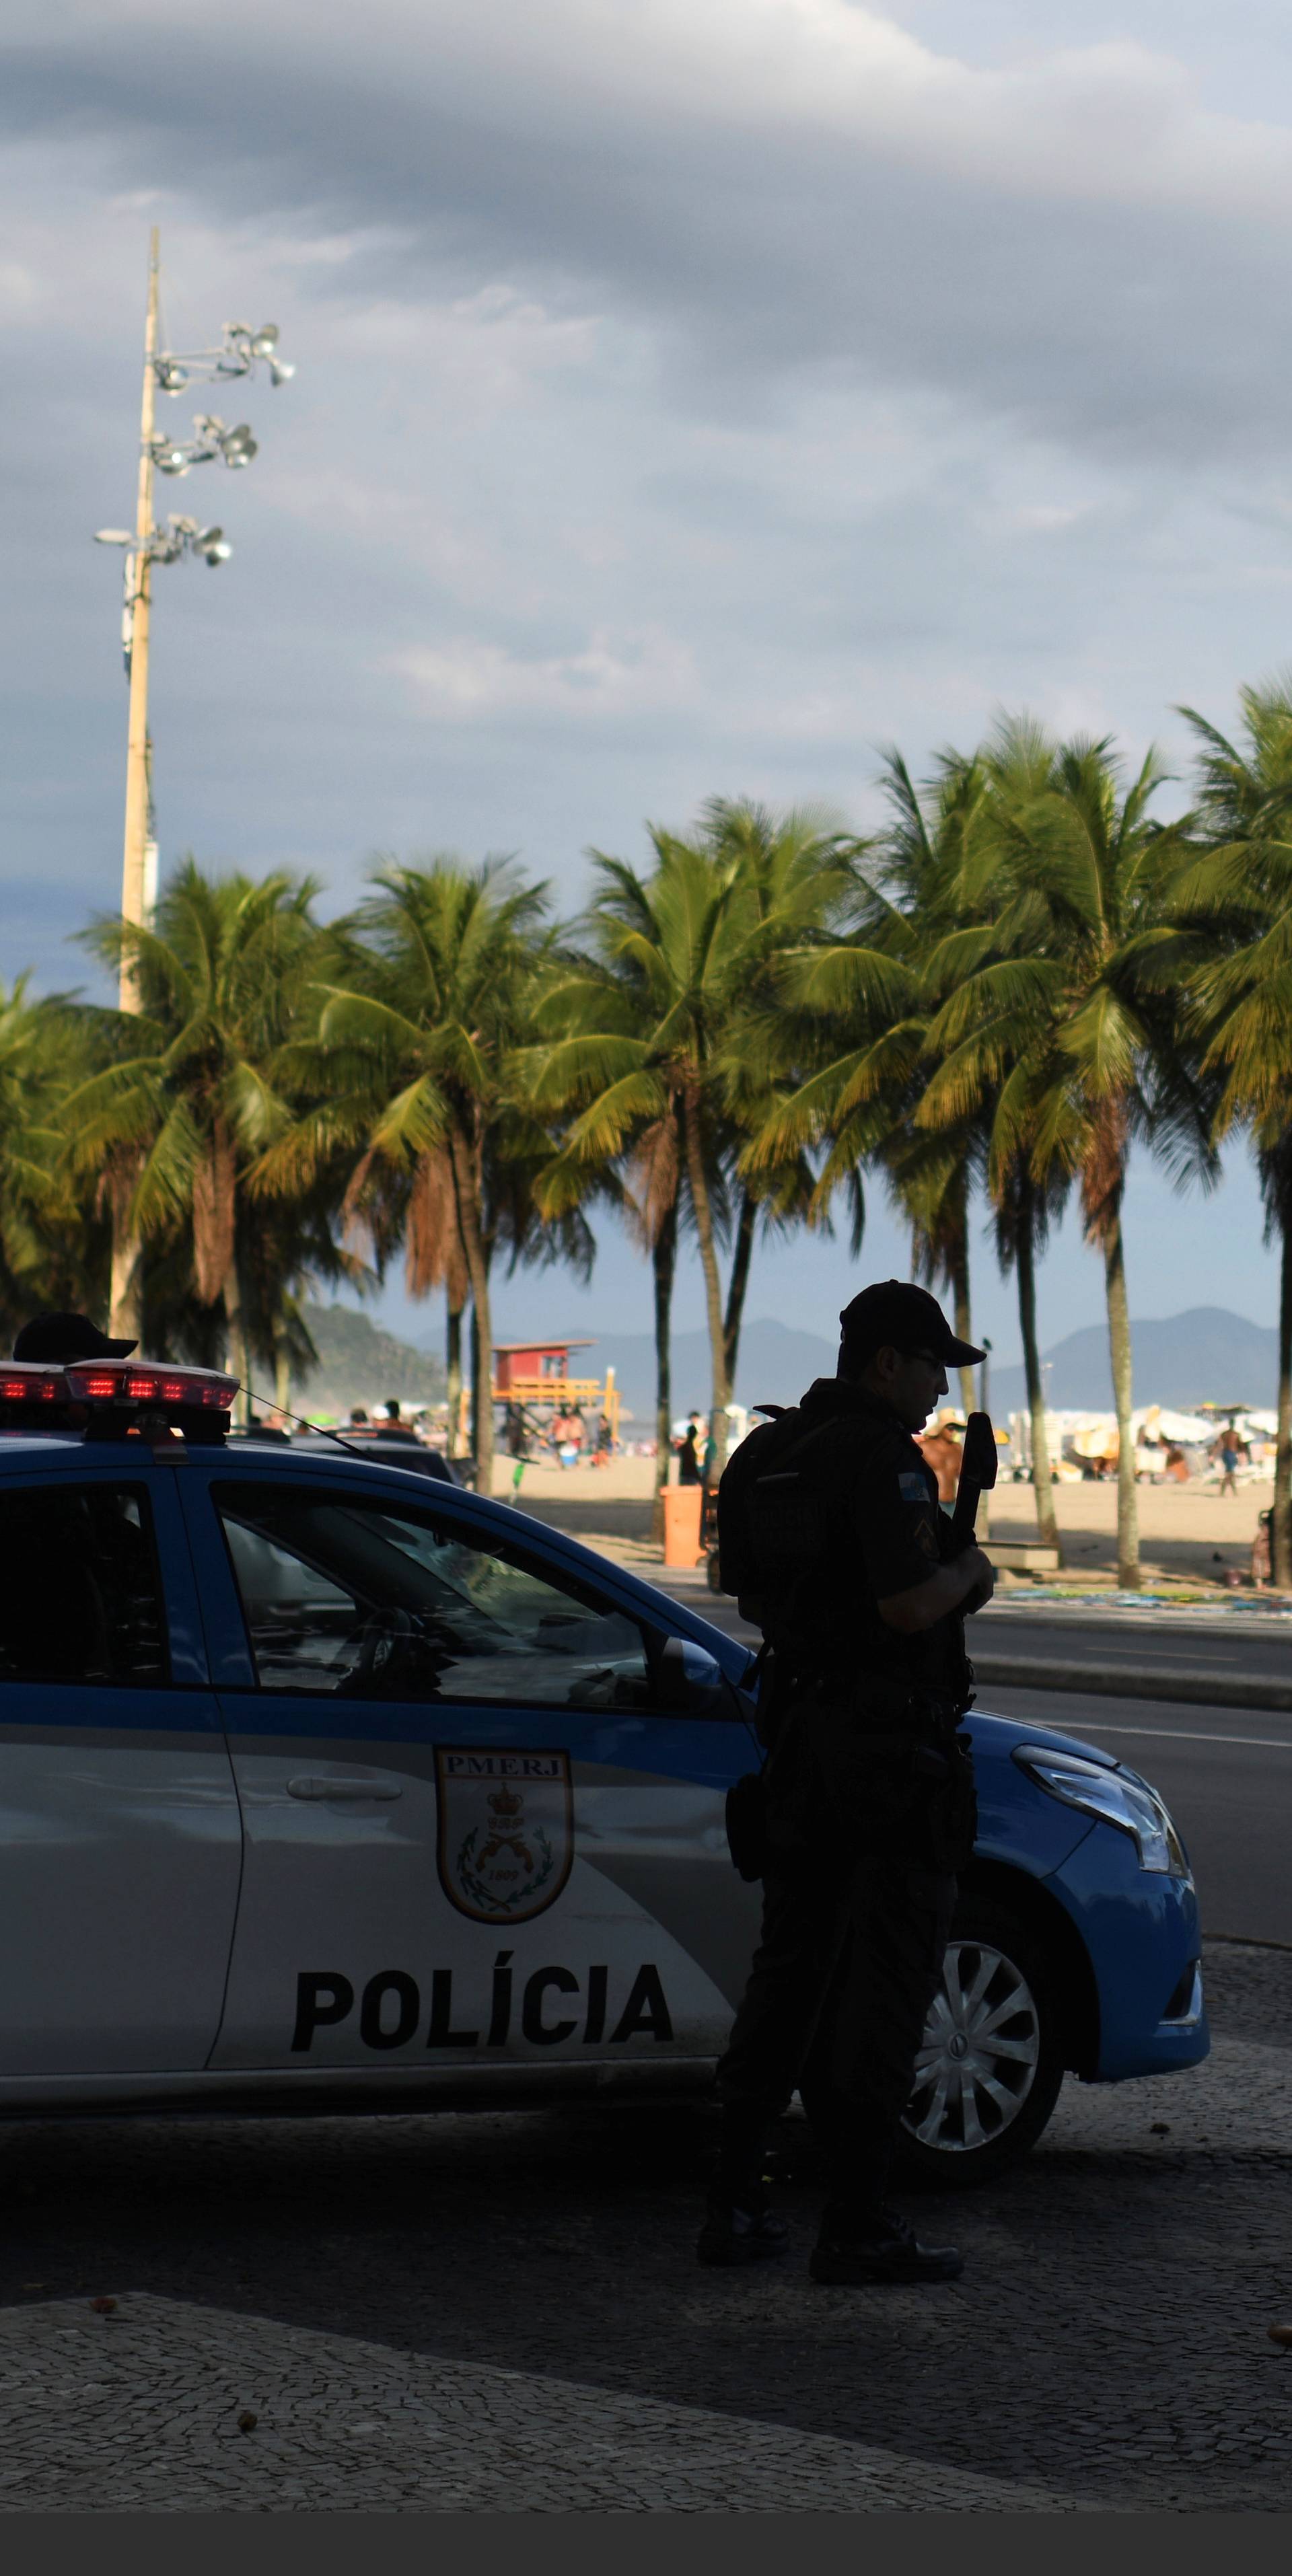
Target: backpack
x=769 y=1522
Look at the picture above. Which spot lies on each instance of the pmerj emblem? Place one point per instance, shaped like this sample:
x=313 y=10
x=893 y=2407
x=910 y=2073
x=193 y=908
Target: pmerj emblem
x=505 y=1844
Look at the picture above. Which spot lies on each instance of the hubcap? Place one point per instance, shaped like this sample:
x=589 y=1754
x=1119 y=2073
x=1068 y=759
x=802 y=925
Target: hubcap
x=979 y=2055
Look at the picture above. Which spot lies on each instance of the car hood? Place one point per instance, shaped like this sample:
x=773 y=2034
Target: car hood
x=999 y=1735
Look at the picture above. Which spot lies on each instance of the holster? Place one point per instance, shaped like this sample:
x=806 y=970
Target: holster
x=748 y=1805
x=747 y=1837
x=944 y=1813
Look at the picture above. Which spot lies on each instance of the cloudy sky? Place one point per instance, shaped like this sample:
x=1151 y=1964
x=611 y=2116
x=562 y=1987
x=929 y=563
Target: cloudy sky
x=692 y=395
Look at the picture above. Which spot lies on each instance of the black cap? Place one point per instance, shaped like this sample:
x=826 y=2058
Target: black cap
x=68 y=1337
x=895 y=1311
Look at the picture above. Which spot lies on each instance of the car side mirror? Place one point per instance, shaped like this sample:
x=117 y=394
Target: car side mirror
x=689 y=1681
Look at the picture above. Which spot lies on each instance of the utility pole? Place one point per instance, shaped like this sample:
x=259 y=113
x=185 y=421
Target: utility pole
x=240 y=352
x=127 y=1297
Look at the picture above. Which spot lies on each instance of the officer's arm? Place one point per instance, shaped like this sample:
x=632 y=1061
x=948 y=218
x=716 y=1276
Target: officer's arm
x=921 y=1607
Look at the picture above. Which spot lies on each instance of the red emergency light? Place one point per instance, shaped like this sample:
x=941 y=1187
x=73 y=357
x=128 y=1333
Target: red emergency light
x=126 y=1382
x=32 y=1386
x=112 y=1395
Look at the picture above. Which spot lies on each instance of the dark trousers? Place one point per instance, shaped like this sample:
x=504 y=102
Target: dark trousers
x=835 y=2007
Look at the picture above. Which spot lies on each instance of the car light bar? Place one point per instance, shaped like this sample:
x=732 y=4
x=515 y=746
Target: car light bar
x=127 y=1382
x=117 y=1382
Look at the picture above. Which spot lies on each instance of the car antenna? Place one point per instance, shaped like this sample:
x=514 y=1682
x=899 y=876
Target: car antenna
x=319 y=1429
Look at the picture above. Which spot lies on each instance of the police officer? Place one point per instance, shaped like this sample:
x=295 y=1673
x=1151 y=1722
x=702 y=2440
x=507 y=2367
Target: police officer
x=831 y=1536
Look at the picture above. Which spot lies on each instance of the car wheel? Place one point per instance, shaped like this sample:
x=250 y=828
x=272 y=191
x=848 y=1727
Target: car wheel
x=991 y=2061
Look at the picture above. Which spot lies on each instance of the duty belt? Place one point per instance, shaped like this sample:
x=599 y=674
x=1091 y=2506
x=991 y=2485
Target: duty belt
x=887 y=1708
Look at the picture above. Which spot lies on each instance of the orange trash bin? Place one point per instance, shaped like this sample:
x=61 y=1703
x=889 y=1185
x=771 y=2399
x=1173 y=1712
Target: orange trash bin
x=682 y=1524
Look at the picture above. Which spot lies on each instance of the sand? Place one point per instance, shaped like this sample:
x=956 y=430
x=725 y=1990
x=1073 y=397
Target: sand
x=1186 y=1531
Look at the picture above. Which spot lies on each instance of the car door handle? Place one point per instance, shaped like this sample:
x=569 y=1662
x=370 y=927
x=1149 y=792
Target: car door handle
x=308 y=1785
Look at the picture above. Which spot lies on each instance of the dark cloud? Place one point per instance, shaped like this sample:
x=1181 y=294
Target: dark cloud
x=690 y=397
x=1079 y=245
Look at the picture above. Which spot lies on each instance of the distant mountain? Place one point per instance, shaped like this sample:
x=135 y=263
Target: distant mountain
x=776 y=1363
x=1180 y=1360
x=360 y=1364
x=1205 y=1355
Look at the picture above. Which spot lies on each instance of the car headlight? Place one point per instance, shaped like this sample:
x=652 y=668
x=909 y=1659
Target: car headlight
x=1121 y=1798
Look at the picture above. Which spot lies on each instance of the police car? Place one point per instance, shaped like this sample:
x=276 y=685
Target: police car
x=327 y=1785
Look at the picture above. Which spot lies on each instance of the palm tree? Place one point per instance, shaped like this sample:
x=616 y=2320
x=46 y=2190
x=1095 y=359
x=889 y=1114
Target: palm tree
x=1235 y=907
x=189 y=1103
x=934 y=1163
x=798 y=875
x=967 y=1110
x=53 y=1236
x=1069 y=989
x=587 y=1013
x=645 y=1063
x=848 y=1054
x=421 y=1038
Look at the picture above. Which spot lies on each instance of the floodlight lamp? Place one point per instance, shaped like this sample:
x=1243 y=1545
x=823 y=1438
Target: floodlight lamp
x=265 y=341
x=281 y=370
x=171 y=460
x=237 y=446
x=113 y=537
x=171 y=376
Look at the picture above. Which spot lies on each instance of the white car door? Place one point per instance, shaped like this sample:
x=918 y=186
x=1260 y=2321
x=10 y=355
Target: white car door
x=120 y=1838
x=471 y=1837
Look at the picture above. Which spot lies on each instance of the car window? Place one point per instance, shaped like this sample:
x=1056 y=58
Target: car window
x=353 y=1597
x=80 y=1596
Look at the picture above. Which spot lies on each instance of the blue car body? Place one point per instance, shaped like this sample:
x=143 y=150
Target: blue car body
x=228 y=1885
x=1139 y=1930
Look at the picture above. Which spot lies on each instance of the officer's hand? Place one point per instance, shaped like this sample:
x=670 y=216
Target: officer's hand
x=984 y=1580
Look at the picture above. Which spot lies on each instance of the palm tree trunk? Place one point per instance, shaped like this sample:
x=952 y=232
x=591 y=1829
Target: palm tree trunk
x=283 y=1378
x=453 y=1371
x=126 y=1312
x=467 y=1189
x=741 y=1256
x=964 y=1333
x=239 y=1357
x=475 y=1381
x=703 y=1211
x=1119 y=1348
x=1281 y=1523
x=1047 y=1524
x=664 y=1264
x=963 y=1313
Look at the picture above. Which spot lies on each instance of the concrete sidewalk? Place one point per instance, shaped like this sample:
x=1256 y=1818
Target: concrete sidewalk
x=502 y=2313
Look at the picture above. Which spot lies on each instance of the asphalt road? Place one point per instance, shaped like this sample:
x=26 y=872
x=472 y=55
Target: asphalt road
x=1232 y=1645
x=1225 y=1773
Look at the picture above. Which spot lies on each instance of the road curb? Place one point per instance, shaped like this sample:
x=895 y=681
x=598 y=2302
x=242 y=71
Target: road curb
x=1130 y=1681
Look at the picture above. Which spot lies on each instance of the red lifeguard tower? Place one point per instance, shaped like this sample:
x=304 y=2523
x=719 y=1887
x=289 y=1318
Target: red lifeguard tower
x=535 y=1376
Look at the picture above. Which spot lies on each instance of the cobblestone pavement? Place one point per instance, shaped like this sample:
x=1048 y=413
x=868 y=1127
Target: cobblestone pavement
x=502 y=2314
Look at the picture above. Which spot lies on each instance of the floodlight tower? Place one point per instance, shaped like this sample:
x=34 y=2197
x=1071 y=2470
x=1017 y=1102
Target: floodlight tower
x=169 y=371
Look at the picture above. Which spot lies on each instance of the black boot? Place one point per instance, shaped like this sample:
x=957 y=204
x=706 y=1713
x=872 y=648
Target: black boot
x=740 y=2228
x=866 y=2252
